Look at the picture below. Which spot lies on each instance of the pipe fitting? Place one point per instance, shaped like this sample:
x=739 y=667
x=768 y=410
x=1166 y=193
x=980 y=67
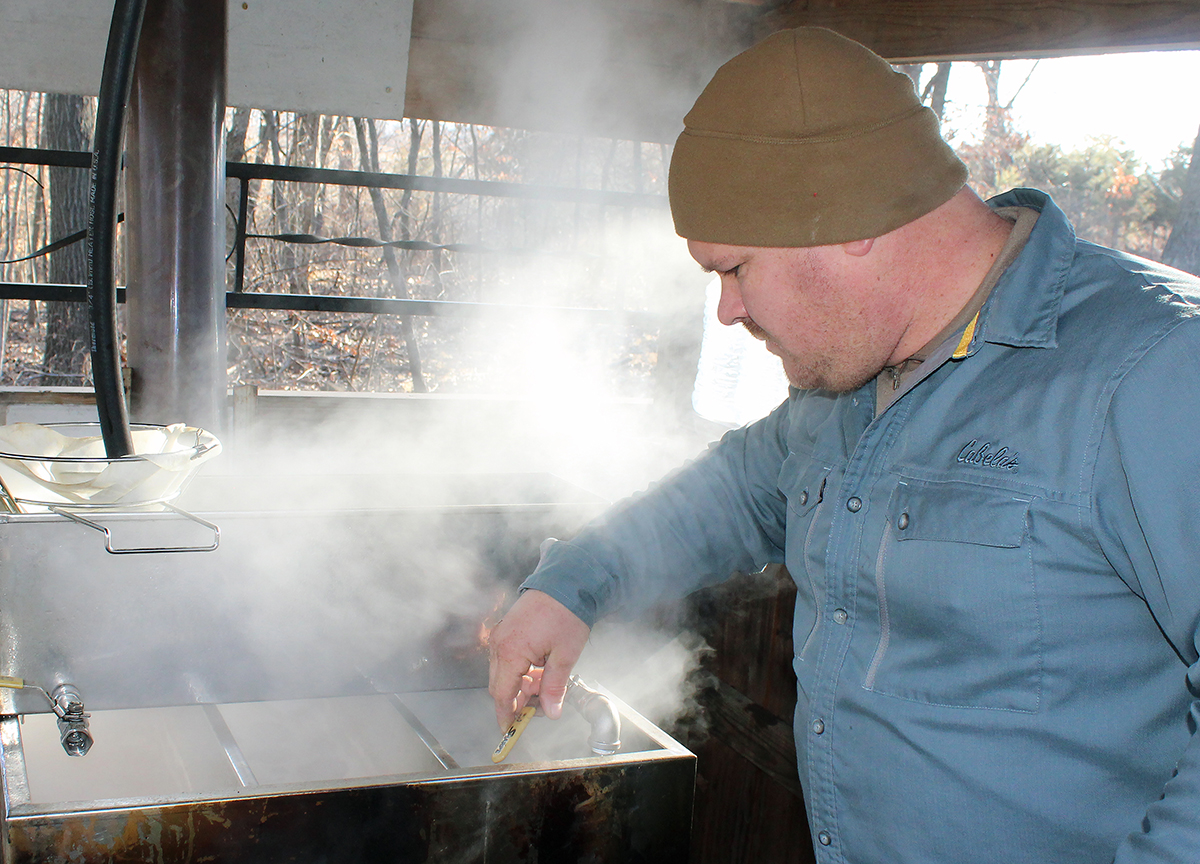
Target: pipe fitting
x=599 y=712
x=67 y=700
x=73 y=730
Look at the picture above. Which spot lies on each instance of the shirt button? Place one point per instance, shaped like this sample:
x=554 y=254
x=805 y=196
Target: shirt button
x=854 y=505
x=840 y=616
x=803 y=497
x=902 y=522
x=818 y=726
x=824 y=838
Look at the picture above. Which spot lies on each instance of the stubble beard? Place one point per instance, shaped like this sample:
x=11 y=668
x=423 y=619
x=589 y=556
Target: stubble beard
x=816 y=375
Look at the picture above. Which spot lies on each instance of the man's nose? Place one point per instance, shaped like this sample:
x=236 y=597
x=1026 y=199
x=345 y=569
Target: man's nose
x=729 y=307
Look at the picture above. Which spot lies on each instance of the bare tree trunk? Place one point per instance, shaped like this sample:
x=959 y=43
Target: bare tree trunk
x=235 y=151
x=435 y=217
x=933 y=93
x=66 y=344
x=936 y=88
x=1183 y=246
x=325 y=133
x=7 y=226
x=996 y=129
x=369 y=159
x=283 y=257
x=479 y=259
x=414 y=153
x=235 y=138
x=996 y=119
x=37 y=215
x=304 y=152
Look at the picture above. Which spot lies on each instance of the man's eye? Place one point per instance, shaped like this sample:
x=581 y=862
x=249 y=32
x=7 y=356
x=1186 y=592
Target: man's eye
x=733 y=271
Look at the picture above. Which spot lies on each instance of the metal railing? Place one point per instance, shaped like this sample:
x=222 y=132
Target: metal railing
x=244 y=172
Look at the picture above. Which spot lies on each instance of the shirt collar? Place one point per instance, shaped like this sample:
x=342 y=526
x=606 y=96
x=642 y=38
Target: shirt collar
x=1024 y=306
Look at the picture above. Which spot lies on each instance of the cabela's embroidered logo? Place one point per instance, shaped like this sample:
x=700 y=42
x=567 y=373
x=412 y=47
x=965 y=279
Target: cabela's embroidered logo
x=987 y=456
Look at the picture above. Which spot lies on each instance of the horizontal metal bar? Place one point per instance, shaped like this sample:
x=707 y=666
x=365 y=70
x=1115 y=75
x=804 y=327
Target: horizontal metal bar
x=332 y=177
x=493 y=188
x=392 y=306
x=372 y=243
x=324 y=303
x=48 y=292
x=32 y=156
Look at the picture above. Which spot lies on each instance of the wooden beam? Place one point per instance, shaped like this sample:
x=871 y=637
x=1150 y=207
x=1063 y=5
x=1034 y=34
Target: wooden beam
x=47 y=396
x=464 y=83
x=753 y=732
x=620 y=70
x=964 y=29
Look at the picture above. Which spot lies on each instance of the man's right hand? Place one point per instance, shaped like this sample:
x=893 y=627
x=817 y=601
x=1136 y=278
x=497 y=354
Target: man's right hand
x=533 y=650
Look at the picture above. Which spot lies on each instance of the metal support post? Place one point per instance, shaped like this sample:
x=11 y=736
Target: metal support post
x=175 y=190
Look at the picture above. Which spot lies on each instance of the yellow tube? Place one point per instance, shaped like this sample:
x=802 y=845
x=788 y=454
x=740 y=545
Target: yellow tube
x=12 y=683
x=513 y=733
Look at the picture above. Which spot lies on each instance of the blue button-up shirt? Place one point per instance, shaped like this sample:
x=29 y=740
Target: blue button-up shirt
x=999 y=576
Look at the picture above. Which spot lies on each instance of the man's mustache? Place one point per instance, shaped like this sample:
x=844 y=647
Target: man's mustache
x=754 y=330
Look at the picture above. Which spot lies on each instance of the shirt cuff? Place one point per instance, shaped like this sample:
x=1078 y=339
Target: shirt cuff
x=575 y=579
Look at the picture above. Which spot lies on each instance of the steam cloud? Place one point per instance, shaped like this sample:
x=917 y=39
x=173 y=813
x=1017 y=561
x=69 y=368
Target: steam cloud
x=325 y=599
x=552 y=408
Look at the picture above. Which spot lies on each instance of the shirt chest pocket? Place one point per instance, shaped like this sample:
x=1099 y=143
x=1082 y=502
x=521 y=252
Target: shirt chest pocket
x=958 y=607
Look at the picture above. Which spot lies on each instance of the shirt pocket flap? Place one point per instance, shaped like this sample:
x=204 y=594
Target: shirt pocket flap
x=802 y=481
x=959 y=513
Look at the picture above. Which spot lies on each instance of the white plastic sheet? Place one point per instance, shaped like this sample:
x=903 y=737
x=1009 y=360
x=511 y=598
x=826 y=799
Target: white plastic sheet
x=40 y=466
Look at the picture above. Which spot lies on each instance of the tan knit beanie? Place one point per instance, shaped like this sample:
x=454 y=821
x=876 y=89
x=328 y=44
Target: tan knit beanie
x=807 y=139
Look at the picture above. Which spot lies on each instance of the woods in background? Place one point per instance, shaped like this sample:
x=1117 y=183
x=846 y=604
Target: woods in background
x=539 y=253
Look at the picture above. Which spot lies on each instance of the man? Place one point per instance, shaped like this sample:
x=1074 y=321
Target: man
x=982 y=484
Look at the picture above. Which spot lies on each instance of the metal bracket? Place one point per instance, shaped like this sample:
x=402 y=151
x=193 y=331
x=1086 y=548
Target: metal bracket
x=141 y=550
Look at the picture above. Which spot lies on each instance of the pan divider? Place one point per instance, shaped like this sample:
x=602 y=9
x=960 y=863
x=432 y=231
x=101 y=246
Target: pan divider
x=237 y=759
x=427 y=738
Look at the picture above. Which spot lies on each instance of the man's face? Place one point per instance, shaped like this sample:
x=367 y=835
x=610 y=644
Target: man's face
x=821 y=310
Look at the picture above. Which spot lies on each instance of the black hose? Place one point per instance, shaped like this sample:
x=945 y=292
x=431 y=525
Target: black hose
x=115 y=83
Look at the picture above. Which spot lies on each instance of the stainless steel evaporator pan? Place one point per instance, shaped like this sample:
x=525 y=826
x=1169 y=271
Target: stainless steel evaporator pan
x=310 y=691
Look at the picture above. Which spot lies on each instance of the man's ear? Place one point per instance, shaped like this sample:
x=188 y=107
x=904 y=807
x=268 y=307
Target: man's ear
x=858 y=248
